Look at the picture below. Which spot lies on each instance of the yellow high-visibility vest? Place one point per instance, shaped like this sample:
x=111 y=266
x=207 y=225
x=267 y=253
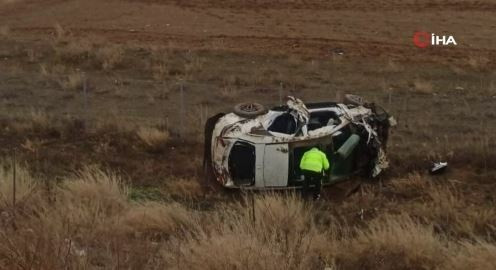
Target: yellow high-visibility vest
x=314 y=160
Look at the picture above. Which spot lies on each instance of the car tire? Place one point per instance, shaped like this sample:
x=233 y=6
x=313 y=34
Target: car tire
x=249 y=109
x=356 y=100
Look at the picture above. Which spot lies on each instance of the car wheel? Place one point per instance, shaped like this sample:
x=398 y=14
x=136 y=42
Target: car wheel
x=249 y=110
x=354 y=100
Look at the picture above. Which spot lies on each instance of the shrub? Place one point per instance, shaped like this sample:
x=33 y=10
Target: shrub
x=154 y=217
x=110 y=56
x=24 y=183
x=153 y=138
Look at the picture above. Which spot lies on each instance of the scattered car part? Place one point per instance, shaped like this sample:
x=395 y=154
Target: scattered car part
x=438 y=168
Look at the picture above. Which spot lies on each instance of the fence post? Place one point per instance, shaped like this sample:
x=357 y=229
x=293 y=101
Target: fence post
x=253 y=207
x=181 y=112
x=85 y=99
x=14 y=178
x=390 y=98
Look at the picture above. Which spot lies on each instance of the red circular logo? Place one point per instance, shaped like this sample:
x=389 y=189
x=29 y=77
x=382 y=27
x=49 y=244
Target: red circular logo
x=422 y=39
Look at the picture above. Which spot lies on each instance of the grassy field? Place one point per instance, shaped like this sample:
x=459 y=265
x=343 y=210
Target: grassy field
x=89 y=221
x=108 y=152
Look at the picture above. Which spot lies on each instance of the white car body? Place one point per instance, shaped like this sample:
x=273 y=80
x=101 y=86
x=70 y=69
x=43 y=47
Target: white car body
x=266 y=157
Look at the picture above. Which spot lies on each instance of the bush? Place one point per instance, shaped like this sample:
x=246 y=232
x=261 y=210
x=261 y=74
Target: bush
x=153 y=138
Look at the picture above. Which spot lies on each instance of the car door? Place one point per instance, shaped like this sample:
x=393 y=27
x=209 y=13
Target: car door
x=276 y=163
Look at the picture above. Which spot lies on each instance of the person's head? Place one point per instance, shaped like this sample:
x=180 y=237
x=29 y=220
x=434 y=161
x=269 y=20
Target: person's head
x=319 y=147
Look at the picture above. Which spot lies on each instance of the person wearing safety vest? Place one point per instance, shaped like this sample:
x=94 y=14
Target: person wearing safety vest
x=313 y=164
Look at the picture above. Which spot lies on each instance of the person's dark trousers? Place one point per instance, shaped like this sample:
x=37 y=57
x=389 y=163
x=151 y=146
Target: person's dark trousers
x=312 y=178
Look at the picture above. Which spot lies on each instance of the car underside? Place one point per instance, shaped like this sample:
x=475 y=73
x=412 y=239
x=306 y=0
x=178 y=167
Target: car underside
x=254 y=148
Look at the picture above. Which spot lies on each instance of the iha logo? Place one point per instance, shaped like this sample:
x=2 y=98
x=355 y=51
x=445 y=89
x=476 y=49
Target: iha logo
x=424 y=40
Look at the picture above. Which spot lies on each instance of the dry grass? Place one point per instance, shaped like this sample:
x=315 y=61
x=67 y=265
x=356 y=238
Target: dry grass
x=160 y=71
x=392 y=242
x=92 y=223
x=195 y=122
x=16 y=69
x=25 y=186
x=186 y=188
x=110 y=56
x=228 y=92
x=159 y=64
x=393 y=66
x=159 y=218
x=88 y=51
x=492 y=89
x=281 y=235
x=74 y=51
x=94 y=186
x=474 y=255
x=44 y=71
x=59 y=32
x=72 y=81
x=478 y=62
x=40 y=120
x=423 y=87
x=153 y=137
x=33 y=55
x=294 y=61
x=193 y=66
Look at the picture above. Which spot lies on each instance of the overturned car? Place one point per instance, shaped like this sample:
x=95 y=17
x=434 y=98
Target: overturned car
x=255 y=148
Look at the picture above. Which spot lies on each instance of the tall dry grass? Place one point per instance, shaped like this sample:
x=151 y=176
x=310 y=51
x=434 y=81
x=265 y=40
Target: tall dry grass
x=40 y=119
x=25 y=186
x=474 y=255
x=73 y=51
x=110 y=56
x=152 y=136
x=193 y=65
x=394 y=242
x=159 y=64
x=270 y=232
x=183 y=188
x=89 y=221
